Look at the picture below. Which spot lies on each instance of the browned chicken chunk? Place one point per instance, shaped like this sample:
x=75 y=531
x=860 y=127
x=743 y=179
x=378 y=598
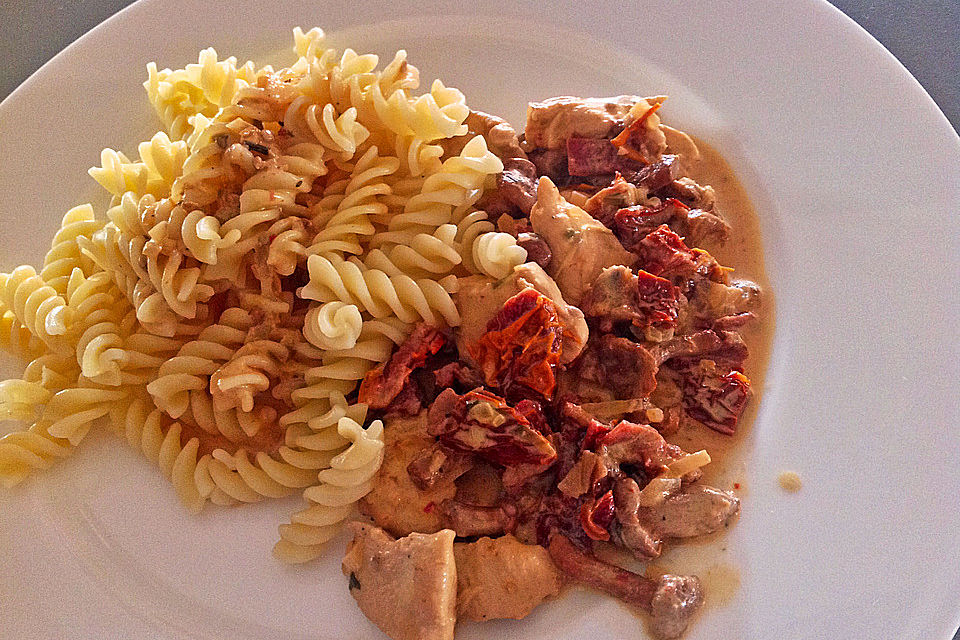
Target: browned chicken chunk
x=503 y=578
x=407 y=587
x=681 y=144
x=395 y=502
x=694 y=510
x=551 y=122
x=501 y=138
x=582 y=247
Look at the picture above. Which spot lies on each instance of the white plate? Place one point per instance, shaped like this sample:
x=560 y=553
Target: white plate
x=856 y=173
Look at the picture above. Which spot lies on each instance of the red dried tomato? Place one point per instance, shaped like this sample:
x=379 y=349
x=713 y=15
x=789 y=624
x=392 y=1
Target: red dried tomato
x=483 y=423
x=521 y=347
x=382 y=384
x=712 y=397
x=630 y=140
x=662 y=250
x=657 y=301
x=532 y=411
x=596 y=516
x=632 y=224
x=595 y=432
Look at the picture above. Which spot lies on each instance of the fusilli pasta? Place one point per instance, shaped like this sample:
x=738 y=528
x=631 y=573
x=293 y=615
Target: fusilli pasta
x=332 y=501
x=260 y=256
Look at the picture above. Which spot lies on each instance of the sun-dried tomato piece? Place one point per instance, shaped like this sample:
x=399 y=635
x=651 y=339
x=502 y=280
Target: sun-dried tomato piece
x=640 y=445
x=482 y=423
x=384 y=383
x=532 y=411
x=596 y=516
x=521 y=348
x=632 y=224
x=663 y=251
x=657 y=301
x=605 y=203
x=708 y=267
x=632 y=140
x=595 y=432
x=714 y=397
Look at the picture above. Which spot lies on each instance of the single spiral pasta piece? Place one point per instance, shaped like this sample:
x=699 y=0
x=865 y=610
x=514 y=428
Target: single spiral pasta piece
x=307 y=160
x=432 y=116
x=202 y=88
x=333 y=325
x=332 y=278
x=423 y=255
x=70 y=413
x=37 y=306
x=456 y=186
x=65 y=418
x=164 y=159
x=102 y=311
x=287 y=237
x=65 y=255
x=196 y=361
x=418 y=157
x=142 y=355
x=219 y=79
x=341 y=230
x=469 y=228
x=399 y=75
x=496 y=254
x=132 y=214
x=268 y=476
x=54 y=372
x=232 y=423
x=308 y=44
x=203 y=239
x=178 y=283
x=351 y=70
x=341 y=134
x=315 y=415
x=22 y=400
x=120 y=256
x=23 y=452
x=248 y=372
x=16 y=339
x=118 y=174
x=333 y=500
x=161 y=163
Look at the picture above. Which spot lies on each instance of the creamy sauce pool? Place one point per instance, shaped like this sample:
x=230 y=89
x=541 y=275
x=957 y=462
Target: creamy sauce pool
x=706 y=557
x=743 y=251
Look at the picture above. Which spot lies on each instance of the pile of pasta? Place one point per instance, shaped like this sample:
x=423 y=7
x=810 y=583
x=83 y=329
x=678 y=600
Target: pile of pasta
x=274 y=244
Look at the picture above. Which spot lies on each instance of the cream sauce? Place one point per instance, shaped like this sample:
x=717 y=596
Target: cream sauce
x=743 y=251
x=790 y=481
x=705 y=557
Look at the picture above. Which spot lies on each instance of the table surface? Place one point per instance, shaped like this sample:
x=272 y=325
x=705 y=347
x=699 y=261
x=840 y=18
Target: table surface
x=923 y=34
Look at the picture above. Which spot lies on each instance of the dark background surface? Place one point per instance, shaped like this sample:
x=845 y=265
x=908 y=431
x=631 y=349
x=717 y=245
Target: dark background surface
x=924 y=35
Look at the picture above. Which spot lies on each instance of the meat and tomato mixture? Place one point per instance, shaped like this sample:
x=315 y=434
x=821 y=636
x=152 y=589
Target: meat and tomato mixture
x=522 y=443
